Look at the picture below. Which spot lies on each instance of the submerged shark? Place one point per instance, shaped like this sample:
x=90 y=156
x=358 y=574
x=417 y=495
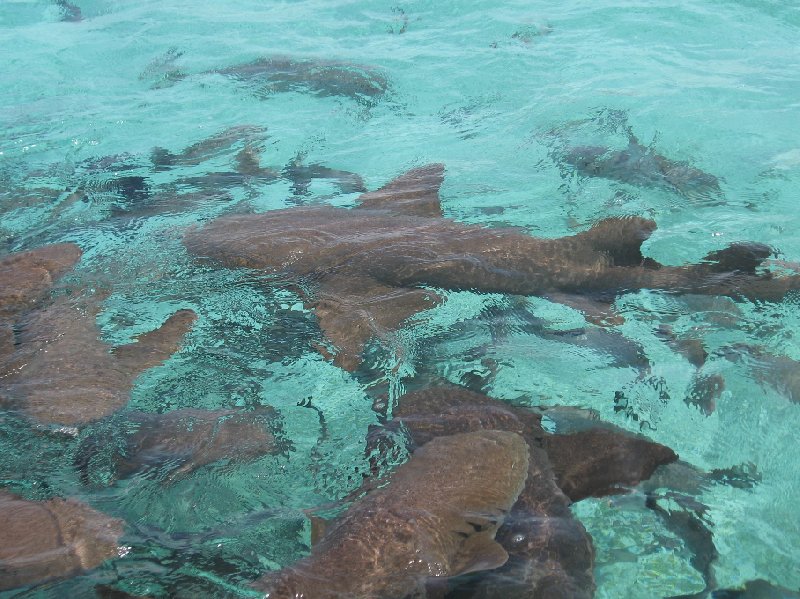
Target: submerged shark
x=25 y=278
x=436 y=518
x=40 y=540
x=321 y=77
x=62 y=373
x=364 y=269
x=179 y=442
x=640 y=165
x=551 y=554
x=779 y=372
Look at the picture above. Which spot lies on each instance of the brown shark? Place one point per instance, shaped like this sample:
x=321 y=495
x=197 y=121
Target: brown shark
x=436 y=518
x=551 y=554
x=275 y=74
x=41 y=540
x=62 y=373
x=364 y=268
x=25 y=277
x=184 y=440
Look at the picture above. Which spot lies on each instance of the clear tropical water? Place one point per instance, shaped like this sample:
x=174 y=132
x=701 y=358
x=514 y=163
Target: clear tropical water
x=497 y=91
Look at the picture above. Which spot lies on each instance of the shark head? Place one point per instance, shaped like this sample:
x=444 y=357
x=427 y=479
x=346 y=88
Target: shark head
x=436 y=518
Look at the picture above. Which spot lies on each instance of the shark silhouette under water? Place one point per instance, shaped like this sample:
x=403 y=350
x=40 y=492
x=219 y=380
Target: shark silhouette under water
x=363 y=268
x=641 y=165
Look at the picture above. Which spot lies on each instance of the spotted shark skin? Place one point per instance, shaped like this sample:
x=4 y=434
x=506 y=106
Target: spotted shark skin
x=364 y=270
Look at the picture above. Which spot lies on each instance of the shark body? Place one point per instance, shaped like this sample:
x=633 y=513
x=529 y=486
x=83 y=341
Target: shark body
x=364 y=269
x=436 y=518
x=550 y=552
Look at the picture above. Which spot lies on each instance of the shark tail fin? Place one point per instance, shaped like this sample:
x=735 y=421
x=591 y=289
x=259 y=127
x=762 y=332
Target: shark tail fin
x=414 y=193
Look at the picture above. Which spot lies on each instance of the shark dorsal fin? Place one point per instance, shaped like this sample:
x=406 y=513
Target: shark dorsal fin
x=414 y=193
x=620 y=238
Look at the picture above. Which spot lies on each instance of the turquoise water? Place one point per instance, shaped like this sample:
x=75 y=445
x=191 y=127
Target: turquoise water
x=498 y=92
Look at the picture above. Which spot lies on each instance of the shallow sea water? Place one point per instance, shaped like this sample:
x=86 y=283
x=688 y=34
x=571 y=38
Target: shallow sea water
x=497 y=91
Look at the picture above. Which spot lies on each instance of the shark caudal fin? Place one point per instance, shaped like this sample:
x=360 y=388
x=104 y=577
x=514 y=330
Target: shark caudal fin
x=414 y=193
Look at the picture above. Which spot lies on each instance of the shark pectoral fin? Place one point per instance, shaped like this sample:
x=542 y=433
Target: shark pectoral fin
x=415 y=193
x=478 y=552
x=351 y=310
x=596 y=311
x=152 y=348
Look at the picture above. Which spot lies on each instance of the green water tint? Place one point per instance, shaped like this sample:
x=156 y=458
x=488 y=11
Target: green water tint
x=499 y=94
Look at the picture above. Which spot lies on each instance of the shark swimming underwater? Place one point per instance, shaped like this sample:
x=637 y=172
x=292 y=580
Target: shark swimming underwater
x=640 y=165
x=61 y=372
x=480 y=509
x=25 y=277
x=363 y=269
x=436 y=518
x=57 y=538
x=177 y=443
x=550 y=553
x=53 y=365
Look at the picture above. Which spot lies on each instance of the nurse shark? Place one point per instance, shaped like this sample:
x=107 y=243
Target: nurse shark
x=25 y=279
x=437 y=517
x=640 y=165
x=551 y=554
x=365 y=270
x=57 y=538
x=53 y=365
x=480 y=509
x=63 y=373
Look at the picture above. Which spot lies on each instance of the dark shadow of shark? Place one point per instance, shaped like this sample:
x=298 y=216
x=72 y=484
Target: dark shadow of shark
x=642 y=166
x=634 y=163
x=365 y=270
